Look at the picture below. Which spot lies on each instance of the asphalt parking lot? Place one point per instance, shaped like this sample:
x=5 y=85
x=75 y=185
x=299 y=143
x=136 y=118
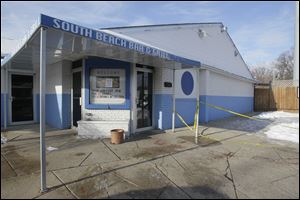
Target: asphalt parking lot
x=226 y=163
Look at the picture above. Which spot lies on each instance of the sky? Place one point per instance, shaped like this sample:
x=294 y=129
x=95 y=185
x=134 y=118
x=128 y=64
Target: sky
x=260 y=30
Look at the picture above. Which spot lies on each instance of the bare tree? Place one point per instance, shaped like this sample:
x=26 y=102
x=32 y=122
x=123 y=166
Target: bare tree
x=284 y=65
x=262 y=74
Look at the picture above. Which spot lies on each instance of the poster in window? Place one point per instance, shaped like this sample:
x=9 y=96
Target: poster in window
x=107 y=86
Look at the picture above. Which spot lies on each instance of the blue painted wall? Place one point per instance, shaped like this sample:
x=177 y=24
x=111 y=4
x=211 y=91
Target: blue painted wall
x=237 y=104
x=187 y=107
x=163 y=111
x=58 y=110
x=96 y=62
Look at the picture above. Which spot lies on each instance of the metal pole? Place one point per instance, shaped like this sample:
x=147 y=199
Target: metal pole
x=198 y=104
x=174 y=106
x=42 y=108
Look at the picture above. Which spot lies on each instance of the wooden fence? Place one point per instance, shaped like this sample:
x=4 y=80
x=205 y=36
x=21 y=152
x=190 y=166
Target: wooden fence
x=268 y=97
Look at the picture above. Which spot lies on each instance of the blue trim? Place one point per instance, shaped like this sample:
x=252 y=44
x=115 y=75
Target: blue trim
x=58 y=110
x=95 y=62
x=112 y=39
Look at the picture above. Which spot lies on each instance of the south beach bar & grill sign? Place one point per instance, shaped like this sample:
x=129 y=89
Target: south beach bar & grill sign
x=111 y=39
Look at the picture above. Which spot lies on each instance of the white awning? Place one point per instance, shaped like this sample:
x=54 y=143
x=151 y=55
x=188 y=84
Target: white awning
x=68 y=41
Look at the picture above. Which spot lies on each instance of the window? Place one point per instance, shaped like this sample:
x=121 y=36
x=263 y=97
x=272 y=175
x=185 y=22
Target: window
x=107 y=86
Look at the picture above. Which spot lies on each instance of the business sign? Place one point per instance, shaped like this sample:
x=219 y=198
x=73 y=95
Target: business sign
x=112 y=39
x=107 y=86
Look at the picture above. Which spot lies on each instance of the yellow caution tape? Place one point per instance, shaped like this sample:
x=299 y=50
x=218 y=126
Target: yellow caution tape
x=184 y=121
x=196 y=113
x=242 y=115
x=232 y=112
x=226 y=110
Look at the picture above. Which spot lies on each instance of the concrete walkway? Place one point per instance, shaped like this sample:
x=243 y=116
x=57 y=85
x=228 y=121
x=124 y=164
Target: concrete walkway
x=225 y=164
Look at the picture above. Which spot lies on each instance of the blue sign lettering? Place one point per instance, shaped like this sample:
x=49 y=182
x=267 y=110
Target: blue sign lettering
x=111 y=39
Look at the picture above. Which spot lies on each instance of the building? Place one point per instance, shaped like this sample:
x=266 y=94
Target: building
x=133 y=78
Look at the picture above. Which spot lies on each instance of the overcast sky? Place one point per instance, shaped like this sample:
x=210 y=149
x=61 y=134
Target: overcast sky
x=260 y=30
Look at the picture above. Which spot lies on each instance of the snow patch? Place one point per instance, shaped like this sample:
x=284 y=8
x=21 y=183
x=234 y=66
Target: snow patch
x=52 y=148
x=276 y=115
x=284 y=131
x=284 y=126
x=3 y=140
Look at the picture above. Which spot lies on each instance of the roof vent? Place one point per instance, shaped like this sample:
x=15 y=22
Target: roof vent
x=236 y=53
x=202 y=33
x=223 y=28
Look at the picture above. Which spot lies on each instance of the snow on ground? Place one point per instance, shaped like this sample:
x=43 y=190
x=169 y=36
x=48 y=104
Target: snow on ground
x=284 y=126
x=52 y=148
x=3 y=140
x=277 y=115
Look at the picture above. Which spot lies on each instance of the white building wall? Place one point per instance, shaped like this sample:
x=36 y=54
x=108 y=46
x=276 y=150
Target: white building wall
x=58 y=80
x=215 y=48
x=220 y=85
x=160 y=76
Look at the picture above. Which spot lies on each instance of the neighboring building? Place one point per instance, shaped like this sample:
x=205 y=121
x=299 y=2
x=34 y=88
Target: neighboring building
x=123 y=77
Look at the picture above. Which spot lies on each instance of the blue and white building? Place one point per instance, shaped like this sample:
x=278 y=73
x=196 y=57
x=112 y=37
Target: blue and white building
x=133 y=78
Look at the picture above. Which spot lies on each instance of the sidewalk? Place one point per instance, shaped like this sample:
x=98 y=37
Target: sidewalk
x=227 y=164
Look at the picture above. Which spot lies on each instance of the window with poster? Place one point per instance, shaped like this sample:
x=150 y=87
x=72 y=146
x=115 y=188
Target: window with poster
x=107 y=86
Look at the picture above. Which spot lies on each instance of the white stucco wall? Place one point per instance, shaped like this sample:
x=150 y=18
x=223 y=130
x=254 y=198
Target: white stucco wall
x=160 y=76
x=58 y=80
x=215 y=48
x=220 y=85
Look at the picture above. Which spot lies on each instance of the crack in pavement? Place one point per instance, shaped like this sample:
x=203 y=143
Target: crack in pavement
x=182 y=190
x=13 y=138
x=228 y=169
x=10 y=165
x=137 y=145
x=126 y=180
x=111 y=150
x=65 y=185
x=85 y=158
x=282 y=178
x=179 y=163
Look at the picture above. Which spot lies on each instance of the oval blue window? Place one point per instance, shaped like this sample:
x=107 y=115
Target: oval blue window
x=187 y=83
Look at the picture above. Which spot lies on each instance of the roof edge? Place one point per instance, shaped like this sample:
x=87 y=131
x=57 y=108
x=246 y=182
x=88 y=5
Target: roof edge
x=160 y=25
x=226 y=73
